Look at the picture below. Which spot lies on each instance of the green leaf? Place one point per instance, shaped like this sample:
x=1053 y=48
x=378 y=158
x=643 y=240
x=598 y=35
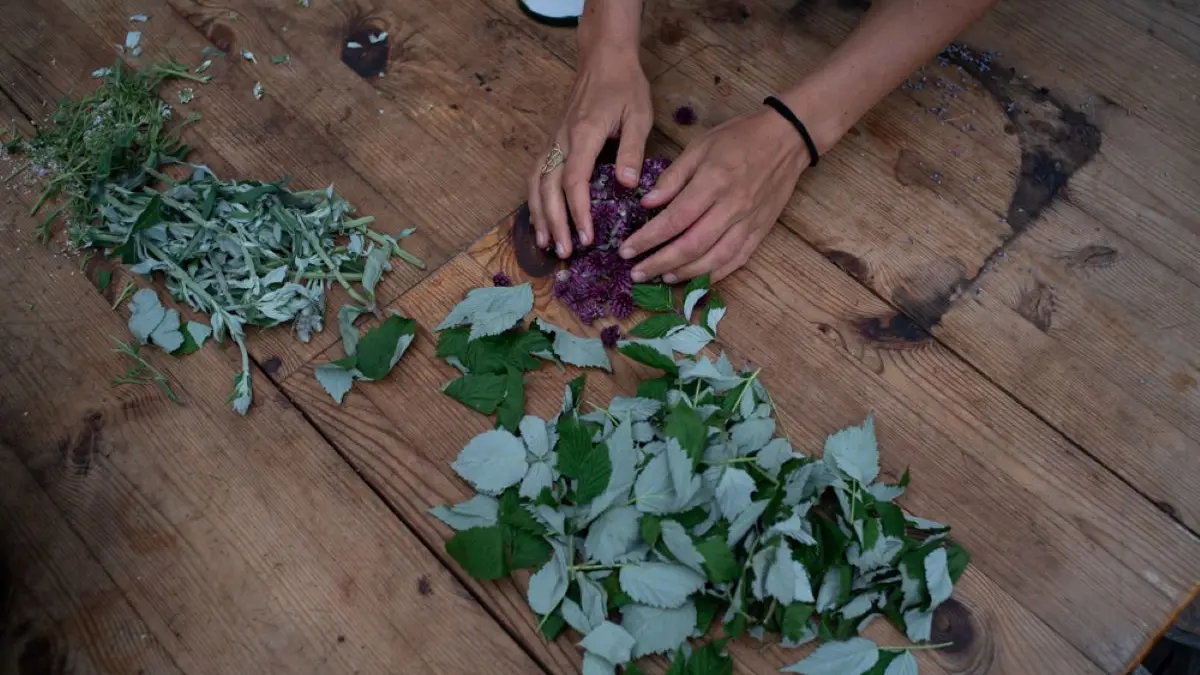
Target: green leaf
x=576 y=386
x=693 y=293
x=492 y=461
x=685 y=426
x=708 y=660
x=482 y=393
x=594 y=475
x=512 y=407
x=653 y=297
x=103 y=280
x=871 y=529
x=548 y=586
x=574 y=446
x=853 y=451
x=714 y=311
x=552 y=626
x=514 y=514
x=649 y=356
x=719 y=560
x=657 y=325
x=663 y=585
x=526 y=551
x=657 y=630
x=150 y=216
x=795 y=620
x=736 y=627
x=610 y=642
x=891 y=519
x=480 y=552
x=957 y=559
x=651 y=527
x=852 y=657
x=706 y=612
x=383 y=345
x=524 y=345
x=575 y=350
x=656 y=388
x=937 y=577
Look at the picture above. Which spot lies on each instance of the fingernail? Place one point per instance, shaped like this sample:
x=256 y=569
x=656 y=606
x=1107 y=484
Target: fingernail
x=628 y=173
x=638 y=276
x=585 y=238
x=562 y=250
x=626 y=253
x=541 y=240
x=670 y=278
x=652 y=195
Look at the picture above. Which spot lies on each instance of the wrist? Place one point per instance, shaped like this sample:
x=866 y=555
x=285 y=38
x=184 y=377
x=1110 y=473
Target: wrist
x=820 y=113
x=609 y=30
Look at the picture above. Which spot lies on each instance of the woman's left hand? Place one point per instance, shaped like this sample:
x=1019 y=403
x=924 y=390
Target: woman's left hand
x=725 y=192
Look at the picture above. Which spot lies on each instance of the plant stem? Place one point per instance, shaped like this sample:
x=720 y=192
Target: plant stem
x=594 y=568
x=917 y=648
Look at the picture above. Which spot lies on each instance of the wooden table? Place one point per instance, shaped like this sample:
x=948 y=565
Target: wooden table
x=1001 y=263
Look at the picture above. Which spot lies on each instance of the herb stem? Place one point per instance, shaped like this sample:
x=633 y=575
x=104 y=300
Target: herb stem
x=394 y=247
x=594 y=568
x=917 y=648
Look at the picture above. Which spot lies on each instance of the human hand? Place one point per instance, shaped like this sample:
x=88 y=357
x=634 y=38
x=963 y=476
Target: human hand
x=725 y=192
x=611 y=97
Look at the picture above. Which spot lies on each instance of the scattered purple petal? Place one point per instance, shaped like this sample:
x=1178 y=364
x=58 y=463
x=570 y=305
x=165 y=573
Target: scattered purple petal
x=501 y=279
x=610 y=335
x=685 y=116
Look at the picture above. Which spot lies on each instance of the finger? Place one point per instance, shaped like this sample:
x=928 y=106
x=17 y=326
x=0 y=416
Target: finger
x=632 y=149
x=691 y=246
x=692 y=203
x=541 y=231
x=586 y=144
x=727 y=247
x=673 y=179
x=749 y=245
x=554 y=210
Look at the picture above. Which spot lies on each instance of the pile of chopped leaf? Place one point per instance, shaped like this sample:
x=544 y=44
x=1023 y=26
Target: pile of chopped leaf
x=650 y=520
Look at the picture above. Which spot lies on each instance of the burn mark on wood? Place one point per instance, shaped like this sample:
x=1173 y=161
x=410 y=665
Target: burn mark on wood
x=1037 y=306
x=369 y=57
x=850 y=264
x=272 y=366
x=1093 y=256
x=424 y=587
x=895 y=331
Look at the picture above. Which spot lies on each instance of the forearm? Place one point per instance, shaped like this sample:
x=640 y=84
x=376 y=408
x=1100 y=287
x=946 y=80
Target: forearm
x=889 y=43
x=609 y=27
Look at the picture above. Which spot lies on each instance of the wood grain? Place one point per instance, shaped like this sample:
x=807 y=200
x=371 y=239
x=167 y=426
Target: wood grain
x=241 y=543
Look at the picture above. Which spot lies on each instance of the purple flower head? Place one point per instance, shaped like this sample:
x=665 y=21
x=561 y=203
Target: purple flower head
x=685 y=116
x=610 y=335
x=501 y=279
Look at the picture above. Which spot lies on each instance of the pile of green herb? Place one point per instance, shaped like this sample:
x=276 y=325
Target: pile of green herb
x=650 y=520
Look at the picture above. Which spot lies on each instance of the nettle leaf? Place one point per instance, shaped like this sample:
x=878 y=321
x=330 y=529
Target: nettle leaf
x=795 y=620
x=854 y=451
x=658 y=630
x=610 y=642
x=653 y=297
x=663 y=585
x=613 y=534
x=957 y=559
x=492 y=461
x=852 y=657
x=937 y=578
x=680 y=544
x=693 y=293
x=657 y=325
x=482 y=393
x=577 y=351
x=490 y=310
x=734 y=492
x=478 y=511
x=334 y=379
x=480 y=552
x=548 y=586
x=645 y=354
x=574 y=446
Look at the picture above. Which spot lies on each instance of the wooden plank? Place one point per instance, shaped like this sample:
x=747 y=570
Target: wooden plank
x=59 y=610
x=48 y=52
x=242 y=543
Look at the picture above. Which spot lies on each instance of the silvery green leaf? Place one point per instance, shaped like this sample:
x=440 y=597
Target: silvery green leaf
x=555 y=521
x=653 y=487
x=548 y=586
x=796 y=528
x=831 y=588
x=808 y=635
x=736 y=601
x=167 y=334
x=854 y=452
x=734 y=492
x=492 y=461
x=919 y=624
x=478 y=511
x=243 y=393
x=275 y=276
x=575 y=350
x=739 y=527
x=680 y=544
x=724 y=365
x=910 y=588
x=593 y=599
x=597 y=665
x=612 y=535
x=199 y=332
x=688 y=339
x=401 y=346
x=663 y=585
x=335 y=380
x=859 y=605
x=684 y=481
x=937 y=578
x=714 y=515
x=690 y=301
x=773 y=455
x=714 y=317
x=660 y=345
x=852 y=657
x=357 y=244
x=703 y=369
x=146 y=312
x=924 y=525
x=573 y=614
x=883 y=492
x=132 y=38
x=803 y=591
x=781 y=576
x=377 y=263
x=747 y=402
x=882 y=554
x=623 y=458
x=635 y=408
x=654 y=448
x=533 y=433
x=656 y=630
x=905 y=664
x=610 y=642
x=490 y=310
x=760 y=564
x=346 y=317
x=539 y=477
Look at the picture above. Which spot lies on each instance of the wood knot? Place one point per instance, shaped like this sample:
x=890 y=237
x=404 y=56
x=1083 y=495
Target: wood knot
x=972 y=650
x=952 y=623
x=1091 y=257
x=365 y=47
x=850 y=264
x=898 y=331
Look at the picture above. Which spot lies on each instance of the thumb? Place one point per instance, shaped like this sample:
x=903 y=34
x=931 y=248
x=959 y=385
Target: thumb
x=672 y=180
x=634 y=132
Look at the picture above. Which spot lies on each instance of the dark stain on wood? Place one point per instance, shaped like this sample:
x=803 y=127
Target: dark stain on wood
x=1092 y=256
x=952 y=623
x=850 y=264
x=341 y=639
x=369 y=59
x=894 y=331
x=1037 y=306
x=220 y=35
x=1182 y=382
x=272 y=366
x=1167 y=508
x=670 y=31
x=910 y=169
x=424 y=587
x=81 y=449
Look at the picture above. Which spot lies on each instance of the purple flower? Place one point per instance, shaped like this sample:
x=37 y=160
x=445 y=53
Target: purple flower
x=685 y=116
x=610 y=335
x=501 y=279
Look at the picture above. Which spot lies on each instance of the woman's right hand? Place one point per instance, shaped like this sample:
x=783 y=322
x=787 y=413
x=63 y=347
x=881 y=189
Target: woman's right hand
x=611 y=98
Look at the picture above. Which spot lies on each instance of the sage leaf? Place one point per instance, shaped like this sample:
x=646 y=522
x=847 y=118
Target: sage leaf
x=146 y=312
x=492 y=461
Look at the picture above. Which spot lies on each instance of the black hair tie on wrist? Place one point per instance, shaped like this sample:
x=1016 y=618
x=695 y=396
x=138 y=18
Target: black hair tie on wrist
x=790 y=116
